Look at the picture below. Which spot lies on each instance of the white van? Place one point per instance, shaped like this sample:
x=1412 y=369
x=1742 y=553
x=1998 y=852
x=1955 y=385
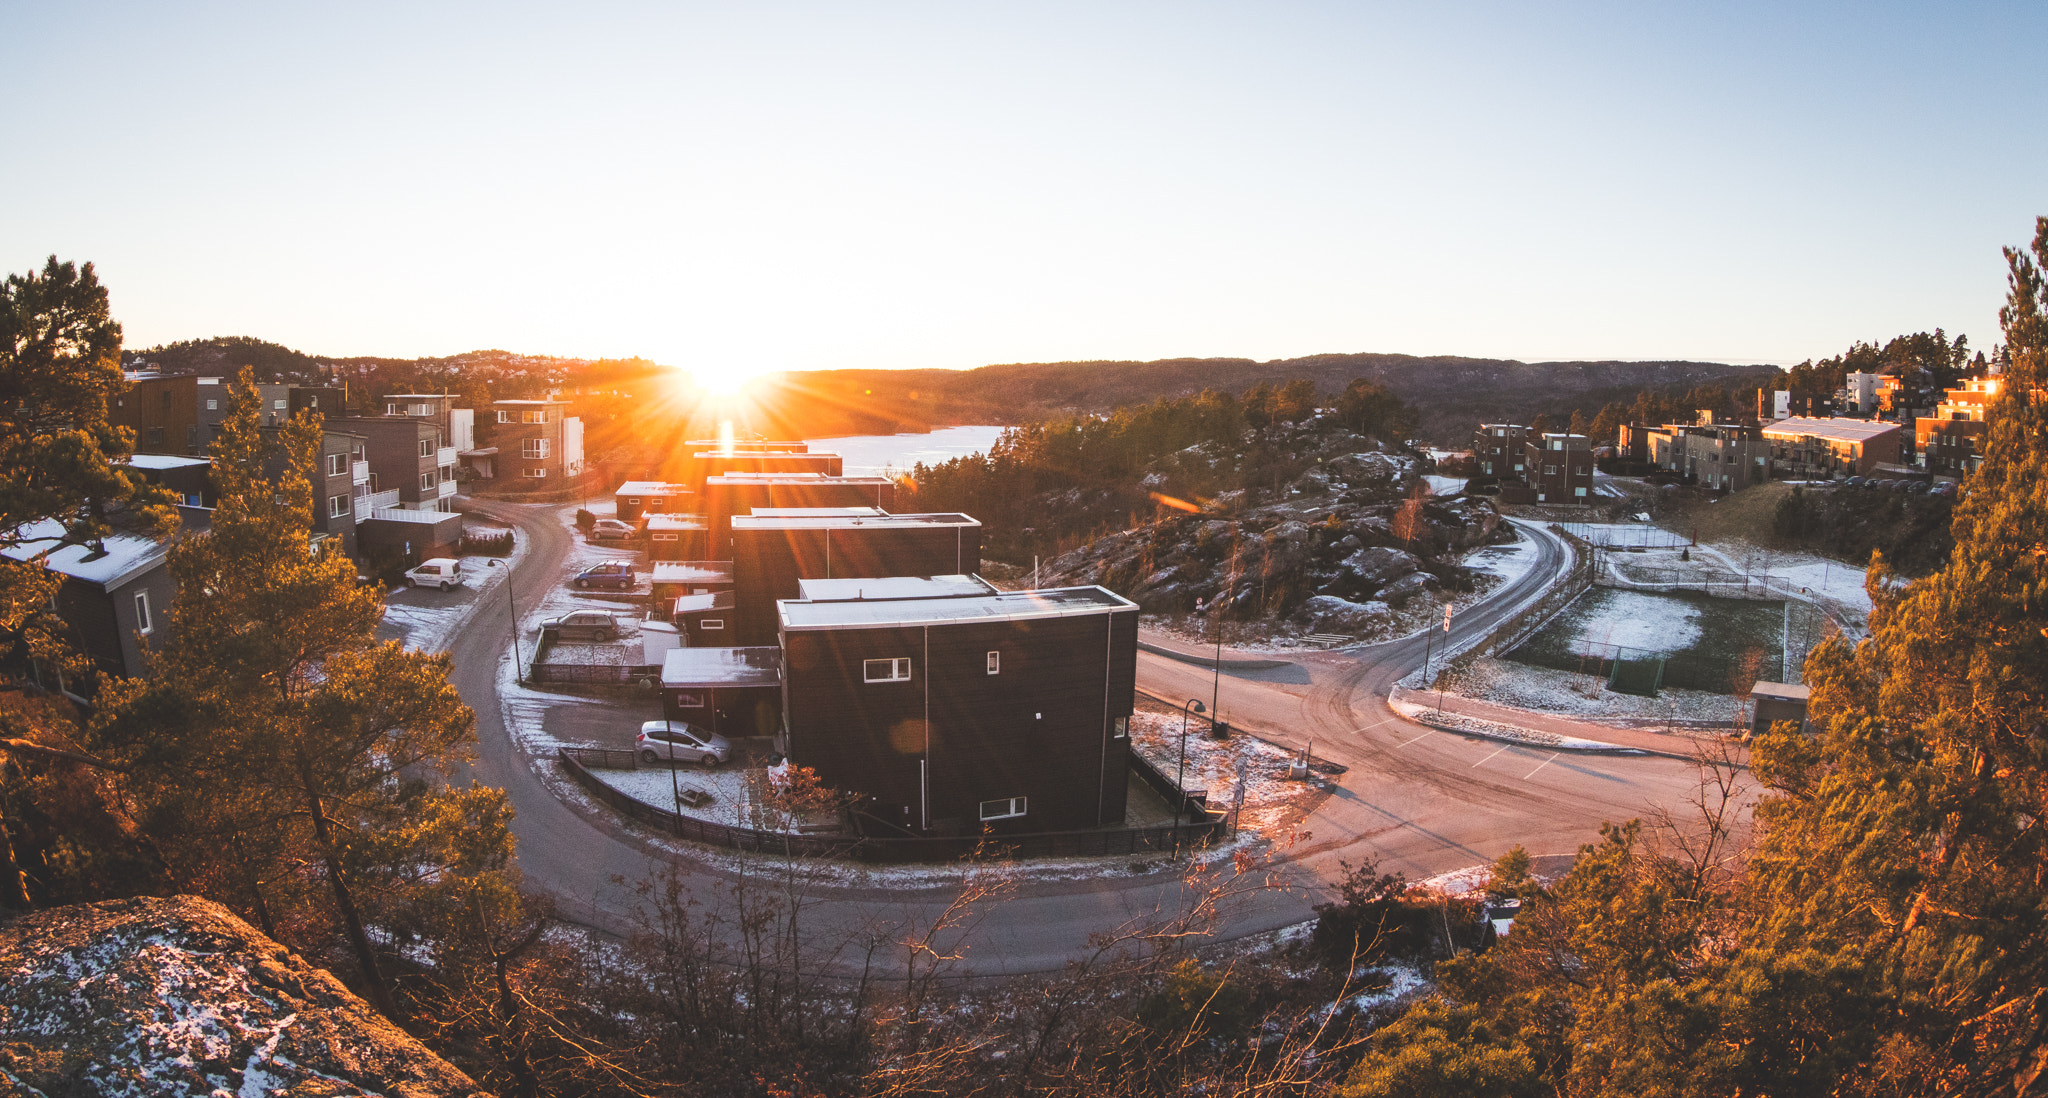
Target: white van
x=442 y=572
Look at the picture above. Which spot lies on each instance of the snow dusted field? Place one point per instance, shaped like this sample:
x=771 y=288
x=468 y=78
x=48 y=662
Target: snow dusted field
x=1583 y=697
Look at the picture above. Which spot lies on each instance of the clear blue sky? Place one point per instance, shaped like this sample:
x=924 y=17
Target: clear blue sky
x=762 y=186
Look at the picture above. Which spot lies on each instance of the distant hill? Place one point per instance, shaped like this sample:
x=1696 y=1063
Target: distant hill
x=1451 y=393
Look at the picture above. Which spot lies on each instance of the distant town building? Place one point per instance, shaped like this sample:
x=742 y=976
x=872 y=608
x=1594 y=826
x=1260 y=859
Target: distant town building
x=1804 y=448
x=1498 y=451
x=538 y=440
x=1559 y=468
x=115 y=595
x=635 y=498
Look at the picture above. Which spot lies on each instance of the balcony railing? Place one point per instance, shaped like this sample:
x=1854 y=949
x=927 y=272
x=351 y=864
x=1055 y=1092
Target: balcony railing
x=359 y=472
x=446 y=489
x=366 y=505
x=445 y=456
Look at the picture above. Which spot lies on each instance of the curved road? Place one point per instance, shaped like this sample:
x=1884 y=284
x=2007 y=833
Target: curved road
x=1422 y=801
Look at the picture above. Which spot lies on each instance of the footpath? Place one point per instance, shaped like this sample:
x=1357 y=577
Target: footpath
x=1675 y=744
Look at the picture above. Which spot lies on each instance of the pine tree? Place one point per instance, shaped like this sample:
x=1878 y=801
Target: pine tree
x=277 y=734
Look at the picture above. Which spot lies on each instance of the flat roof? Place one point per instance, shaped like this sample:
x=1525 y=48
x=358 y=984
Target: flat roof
x=712 y=667
x=675 y=520
x=799 y=615
x=409 y=515
x=529 y=402
x=650 y=488
x=710 y=600
x=737 y=453
x=799 y=512
x=1839 y=428
x=425 y=396
x=830 y=522
x=692 y=571
x=164 y=461
x=120 y=558
x=894 y=587
x=752 y=446
x=1781 y=691
x=759 y=476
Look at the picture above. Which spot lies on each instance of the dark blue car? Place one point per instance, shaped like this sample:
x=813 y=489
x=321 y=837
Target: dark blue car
x=611 y=573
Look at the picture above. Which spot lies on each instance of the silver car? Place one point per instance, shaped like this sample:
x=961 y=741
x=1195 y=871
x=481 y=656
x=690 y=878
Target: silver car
x=661 y=741
x=583 y=625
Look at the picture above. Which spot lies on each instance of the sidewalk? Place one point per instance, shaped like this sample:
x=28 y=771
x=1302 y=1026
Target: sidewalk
x=1664 y=743
x=1205 y=654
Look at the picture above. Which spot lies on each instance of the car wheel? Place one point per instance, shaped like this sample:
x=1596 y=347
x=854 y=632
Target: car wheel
x=449 y=586
x=410 y=582
x=708 y=761
x=649 y=757
x=581 y=584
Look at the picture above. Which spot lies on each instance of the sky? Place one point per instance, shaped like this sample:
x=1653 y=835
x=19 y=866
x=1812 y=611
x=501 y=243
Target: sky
x=741 y=188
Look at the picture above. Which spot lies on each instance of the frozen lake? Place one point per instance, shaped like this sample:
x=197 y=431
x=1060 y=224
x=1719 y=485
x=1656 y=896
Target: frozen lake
x=872 y=455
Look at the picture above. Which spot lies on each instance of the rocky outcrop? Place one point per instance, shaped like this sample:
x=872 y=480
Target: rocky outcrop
x=178 y=996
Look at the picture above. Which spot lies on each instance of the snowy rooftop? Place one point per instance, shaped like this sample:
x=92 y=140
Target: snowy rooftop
x=1834 y=427
x=697 y=604
x=692 y=572
x=165 y=461
x=751 y=446
x=821 y=512
x=895 y=587
x=1781 y=691
x=675 y=521
x=705 y=667
x=1061 y=602
x=650 y=488
x=750 y=478
x=817 y=522
x=120 y=557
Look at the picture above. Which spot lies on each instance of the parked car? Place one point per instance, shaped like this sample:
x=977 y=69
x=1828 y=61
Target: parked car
x=611 y=529
x=659 y=741
x=1853 y=482
x=583 y=625
x=442 y=572
x=611 y=573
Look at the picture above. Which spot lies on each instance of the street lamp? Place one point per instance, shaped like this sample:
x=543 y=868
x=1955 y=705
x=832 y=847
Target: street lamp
x=519 y=663
x=1181 y=776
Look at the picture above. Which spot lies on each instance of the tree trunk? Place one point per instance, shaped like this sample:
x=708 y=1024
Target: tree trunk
x=373 y=976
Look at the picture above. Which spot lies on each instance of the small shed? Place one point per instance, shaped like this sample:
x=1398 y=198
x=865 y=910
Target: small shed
x=734 y=691
x=1778 y=701
x=704 y=620
x=635 y=498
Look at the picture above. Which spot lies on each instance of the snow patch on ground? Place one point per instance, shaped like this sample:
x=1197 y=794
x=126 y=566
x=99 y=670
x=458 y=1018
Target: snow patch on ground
x=1494 y=730
x=1444 y=486
x=1458 y=881
x=426 y=620
x=1584 y=697
x=1402 y=979
x=1271 y=798
x=1648 y=622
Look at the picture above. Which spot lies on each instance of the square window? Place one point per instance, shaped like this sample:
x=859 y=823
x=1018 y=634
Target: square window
x=995 y=663
x=211 y=405
x=142 y=622
x=1005 y=809
x=426 y=447
x=896 y=670
x=337 y=464
x=426 y=482
x=337 y=506
x=504 y=416
x=277 y=405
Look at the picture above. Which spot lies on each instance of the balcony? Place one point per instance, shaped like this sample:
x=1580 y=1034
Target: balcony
x=366 y=505
x=359 y=472
x=445 y=456
x=445 y=489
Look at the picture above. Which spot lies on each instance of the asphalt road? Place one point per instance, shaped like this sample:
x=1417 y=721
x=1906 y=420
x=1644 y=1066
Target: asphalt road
x=1420 y=800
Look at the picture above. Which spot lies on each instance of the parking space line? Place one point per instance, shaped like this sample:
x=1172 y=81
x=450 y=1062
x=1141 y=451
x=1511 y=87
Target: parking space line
x=1418 y=739
x=1503 y=747
x=1541 y=765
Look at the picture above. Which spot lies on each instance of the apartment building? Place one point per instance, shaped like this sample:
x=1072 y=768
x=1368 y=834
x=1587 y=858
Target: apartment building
x=1805 y=448
x=1559 y=468
x=1499 y=451
x=537 y=440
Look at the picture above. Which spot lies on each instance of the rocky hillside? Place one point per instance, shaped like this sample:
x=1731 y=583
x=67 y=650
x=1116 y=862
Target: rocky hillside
x=177 y=996
x=1347 y=545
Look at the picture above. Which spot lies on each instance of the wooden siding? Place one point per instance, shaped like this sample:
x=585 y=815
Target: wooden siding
x=767 y=564
x=722 y=500
x=928 y=751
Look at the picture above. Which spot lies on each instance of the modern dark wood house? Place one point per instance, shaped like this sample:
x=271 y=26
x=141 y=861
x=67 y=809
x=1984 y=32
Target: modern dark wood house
x=951 y=707
x=115 y=595
x=729 y=494
x=674 y=579
x=677 y=537
x=772 y=553
x=706 y=464
x=635 y=498
x=734 y=691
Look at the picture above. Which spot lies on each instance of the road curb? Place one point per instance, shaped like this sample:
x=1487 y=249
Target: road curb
x=1210 y=661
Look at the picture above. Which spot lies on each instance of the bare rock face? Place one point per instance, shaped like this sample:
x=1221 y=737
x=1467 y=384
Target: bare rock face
x=176 y=996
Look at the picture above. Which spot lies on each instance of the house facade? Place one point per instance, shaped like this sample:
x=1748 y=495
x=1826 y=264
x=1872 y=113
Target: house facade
x=1822 y=449
x=951 y=708
x=1499 y=451
x=1559 y=468
x=773 y=554
x=537 y=440
x=115 y=595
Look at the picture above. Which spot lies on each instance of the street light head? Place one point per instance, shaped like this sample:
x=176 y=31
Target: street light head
x=1199 y=708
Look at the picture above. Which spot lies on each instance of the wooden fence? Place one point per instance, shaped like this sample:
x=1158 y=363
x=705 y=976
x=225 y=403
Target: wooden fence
x=893 y=849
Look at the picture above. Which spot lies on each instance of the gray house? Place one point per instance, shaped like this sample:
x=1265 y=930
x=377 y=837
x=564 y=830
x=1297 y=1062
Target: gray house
x=116 y=595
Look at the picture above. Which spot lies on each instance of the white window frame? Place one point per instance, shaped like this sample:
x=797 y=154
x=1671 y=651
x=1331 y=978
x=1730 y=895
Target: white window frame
x=143 y=624
x=693 y=699
x=211 y=405
x=1120 y=728
x=995 y=663
x=889 y=670
x=337 y=464
x=337 y=506
x=277 y=405
x=534 y=415
x=711 y=625
x=428 y=481
x=533 y=449
x=538 y=472
x=667 y=537
x=426 y=447
x=504 y=416
x=1003 y=808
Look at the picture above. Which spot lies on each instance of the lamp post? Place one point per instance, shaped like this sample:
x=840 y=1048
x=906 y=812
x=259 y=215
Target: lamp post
x=1181 y=776
x=519 y=659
